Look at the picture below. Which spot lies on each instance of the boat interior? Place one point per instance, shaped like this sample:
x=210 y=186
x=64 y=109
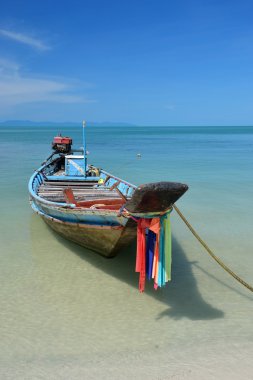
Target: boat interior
x=99 y=190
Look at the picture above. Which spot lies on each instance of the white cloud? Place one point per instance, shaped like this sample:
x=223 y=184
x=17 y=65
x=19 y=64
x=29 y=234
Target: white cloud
x=16 y=88
x=25 y=39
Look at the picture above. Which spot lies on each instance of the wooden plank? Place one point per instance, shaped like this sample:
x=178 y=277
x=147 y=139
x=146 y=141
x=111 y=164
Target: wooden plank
x=70 y=183
x=114 y=185
x=84 y=193
x=79 y=198
x=87 y=189
x=90 y=188
x=69 y=196
x=121 y=195
x=64 y=187
x=75 y=187
x=80 y=195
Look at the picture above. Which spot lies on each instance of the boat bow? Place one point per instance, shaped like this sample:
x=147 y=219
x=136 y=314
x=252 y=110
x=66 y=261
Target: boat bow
x=155 y=197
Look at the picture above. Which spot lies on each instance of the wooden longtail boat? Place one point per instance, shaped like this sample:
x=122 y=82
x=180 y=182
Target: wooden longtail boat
x=90 y=206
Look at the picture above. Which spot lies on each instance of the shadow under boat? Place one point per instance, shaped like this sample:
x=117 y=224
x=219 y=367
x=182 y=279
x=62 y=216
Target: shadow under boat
x=181 y=295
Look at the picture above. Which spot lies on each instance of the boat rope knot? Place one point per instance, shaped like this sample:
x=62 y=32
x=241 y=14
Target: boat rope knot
x=217 y=259
x=124 y=212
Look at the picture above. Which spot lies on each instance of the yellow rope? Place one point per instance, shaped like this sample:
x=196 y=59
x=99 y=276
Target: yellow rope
x=210 y=252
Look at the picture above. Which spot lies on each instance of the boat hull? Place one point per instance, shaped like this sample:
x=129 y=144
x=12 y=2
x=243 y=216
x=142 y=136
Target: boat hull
x=105 y=240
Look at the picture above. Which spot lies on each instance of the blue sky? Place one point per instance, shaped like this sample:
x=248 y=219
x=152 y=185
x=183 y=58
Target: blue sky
x=141 y=62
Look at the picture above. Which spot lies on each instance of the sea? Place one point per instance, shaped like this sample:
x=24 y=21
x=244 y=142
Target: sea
x=68 y=313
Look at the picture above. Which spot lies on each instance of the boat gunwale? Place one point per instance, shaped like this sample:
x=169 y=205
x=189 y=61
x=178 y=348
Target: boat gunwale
x=81 y=225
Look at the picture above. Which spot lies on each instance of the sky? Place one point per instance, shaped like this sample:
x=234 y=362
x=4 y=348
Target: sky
x=143 y=62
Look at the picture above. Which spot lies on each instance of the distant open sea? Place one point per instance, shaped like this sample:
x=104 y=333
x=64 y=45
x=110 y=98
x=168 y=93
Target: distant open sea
x=67 y=313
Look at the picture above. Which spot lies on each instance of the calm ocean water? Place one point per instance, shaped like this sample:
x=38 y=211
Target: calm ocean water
x=67 y=313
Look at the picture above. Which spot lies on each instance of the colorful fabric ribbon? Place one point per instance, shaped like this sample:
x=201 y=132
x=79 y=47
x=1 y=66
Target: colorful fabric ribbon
x=153 y=256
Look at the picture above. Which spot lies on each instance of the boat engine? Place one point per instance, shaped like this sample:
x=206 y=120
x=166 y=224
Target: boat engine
x=62 y=144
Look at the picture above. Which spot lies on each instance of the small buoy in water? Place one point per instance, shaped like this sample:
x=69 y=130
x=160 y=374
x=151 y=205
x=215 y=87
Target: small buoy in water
x=138 y=155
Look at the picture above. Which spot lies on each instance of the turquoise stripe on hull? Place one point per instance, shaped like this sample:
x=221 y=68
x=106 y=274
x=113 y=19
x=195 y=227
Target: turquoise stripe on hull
x=102 y=218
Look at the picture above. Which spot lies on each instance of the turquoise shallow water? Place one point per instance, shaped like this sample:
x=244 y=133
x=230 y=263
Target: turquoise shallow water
x=67 y=313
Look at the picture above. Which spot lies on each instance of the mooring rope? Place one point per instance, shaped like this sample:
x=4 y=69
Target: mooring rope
x=244 y=283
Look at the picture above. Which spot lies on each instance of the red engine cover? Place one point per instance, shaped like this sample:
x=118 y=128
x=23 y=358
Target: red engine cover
x=62 y=140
